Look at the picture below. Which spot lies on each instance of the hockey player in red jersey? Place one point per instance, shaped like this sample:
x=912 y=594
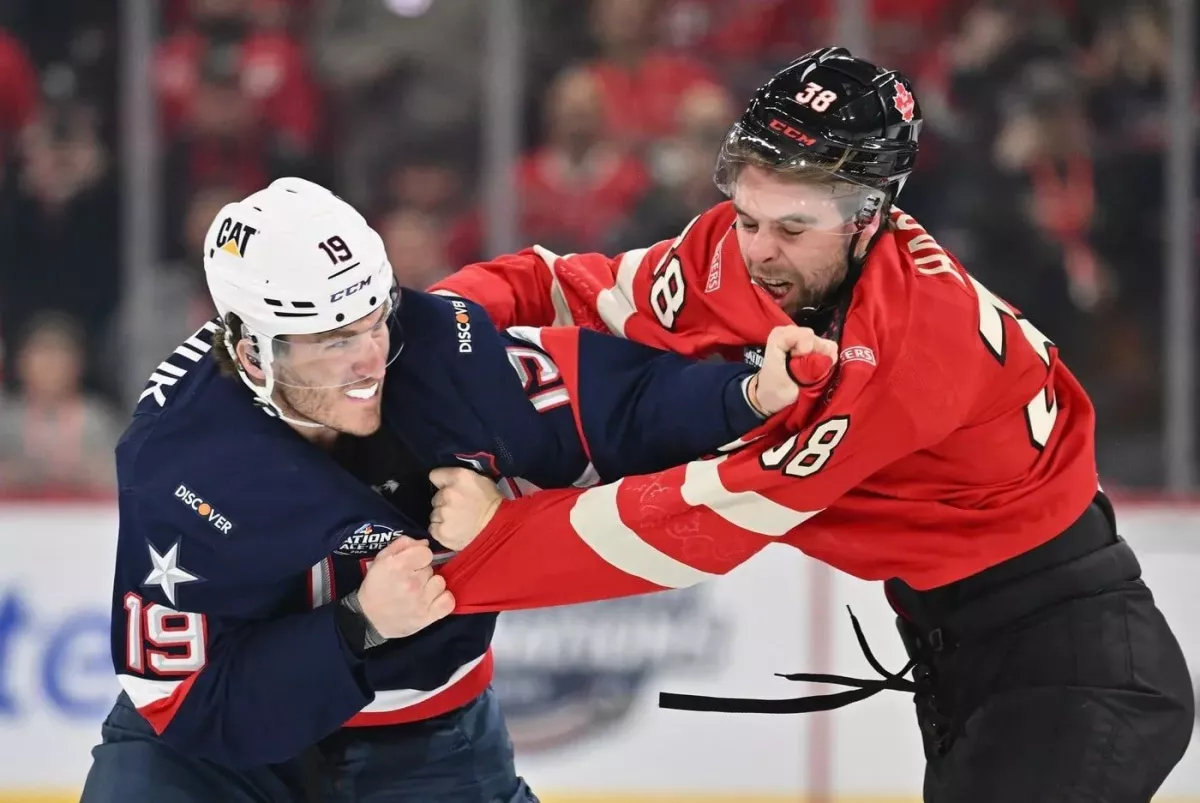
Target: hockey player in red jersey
x=947 y=451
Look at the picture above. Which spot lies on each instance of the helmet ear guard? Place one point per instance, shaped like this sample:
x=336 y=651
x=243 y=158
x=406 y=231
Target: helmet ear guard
x=234 y=331
x=869 y=211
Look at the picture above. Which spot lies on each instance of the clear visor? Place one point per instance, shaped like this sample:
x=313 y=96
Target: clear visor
x=355 y=355
x=801 y=193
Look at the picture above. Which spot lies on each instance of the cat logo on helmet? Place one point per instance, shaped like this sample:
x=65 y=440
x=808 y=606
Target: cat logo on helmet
x=905 y=104
x=234 y=237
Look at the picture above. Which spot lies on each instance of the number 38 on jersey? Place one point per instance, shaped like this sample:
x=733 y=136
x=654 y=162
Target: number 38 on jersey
x=813 y=453
x=1042 y=411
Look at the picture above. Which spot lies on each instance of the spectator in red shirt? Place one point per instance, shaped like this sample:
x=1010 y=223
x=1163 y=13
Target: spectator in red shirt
x=217 y=142
x=639 y=82
x=575 y=188
x=270 y=67
x=578 y=185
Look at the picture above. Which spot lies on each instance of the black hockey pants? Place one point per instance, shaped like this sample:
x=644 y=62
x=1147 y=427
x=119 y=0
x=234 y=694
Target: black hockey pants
x=1052 y=678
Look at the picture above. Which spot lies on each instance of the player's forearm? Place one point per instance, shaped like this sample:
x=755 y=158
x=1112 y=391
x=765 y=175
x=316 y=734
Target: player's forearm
x=563 y=547
x=531 y=557
x=680 y=411
x=269 y=691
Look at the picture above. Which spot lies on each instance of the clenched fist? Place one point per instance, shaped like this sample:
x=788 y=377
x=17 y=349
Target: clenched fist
x=400 y=594
x=775 y=387
x=463 y=505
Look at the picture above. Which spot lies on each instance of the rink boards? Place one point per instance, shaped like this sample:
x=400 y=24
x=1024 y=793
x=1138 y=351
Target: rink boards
x=579 y=685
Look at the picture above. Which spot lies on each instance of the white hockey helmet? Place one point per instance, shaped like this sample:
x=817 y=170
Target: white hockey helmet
x=294 y=259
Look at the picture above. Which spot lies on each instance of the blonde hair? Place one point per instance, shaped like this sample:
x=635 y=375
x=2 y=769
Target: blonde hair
x=740 y=156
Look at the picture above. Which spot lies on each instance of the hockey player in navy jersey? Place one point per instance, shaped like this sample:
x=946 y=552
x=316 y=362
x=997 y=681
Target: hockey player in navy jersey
x=274 y=593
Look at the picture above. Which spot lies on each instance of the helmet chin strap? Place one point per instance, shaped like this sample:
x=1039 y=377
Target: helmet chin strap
x=298 y=423
x=265 y=392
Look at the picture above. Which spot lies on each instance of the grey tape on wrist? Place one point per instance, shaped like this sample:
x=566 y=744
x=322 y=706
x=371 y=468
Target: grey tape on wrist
x=372 y=637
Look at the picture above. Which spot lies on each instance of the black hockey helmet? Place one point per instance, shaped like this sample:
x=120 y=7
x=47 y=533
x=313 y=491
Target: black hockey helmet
x=831 y=112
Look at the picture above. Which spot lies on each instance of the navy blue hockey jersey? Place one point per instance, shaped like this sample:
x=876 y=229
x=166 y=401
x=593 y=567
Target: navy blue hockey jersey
x=236 y=534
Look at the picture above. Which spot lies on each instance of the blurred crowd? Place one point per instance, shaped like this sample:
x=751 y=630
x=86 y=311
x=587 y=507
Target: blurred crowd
x=1041 y=166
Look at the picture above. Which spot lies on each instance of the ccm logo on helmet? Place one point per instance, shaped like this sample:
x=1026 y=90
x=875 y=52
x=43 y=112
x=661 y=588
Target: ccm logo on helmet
x=462 y=322
x=234 y=238
x=349 y=291
x=792 y=133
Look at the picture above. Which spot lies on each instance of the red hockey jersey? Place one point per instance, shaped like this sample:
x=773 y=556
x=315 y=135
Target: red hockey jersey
x=948 y=438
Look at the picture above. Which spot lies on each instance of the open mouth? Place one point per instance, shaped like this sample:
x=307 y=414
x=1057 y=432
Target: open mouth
x=776 y=288
x=364 y=394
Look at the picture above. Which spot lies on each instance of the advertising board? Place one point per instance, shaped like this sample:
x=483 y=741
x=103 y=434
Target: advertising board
x=579 y=685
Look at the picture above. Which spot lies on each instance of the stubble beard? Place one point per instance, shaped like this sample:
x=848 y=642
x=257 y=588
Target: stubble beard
x=318 y=405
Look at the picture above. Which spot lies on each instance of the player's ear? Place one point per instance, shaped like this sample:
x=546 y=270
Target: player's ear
x=247 y=355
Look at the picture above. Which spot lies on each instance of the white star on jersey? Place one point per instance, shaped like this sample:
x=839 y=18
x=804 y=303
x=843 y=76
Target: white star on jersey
x=166 y=573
